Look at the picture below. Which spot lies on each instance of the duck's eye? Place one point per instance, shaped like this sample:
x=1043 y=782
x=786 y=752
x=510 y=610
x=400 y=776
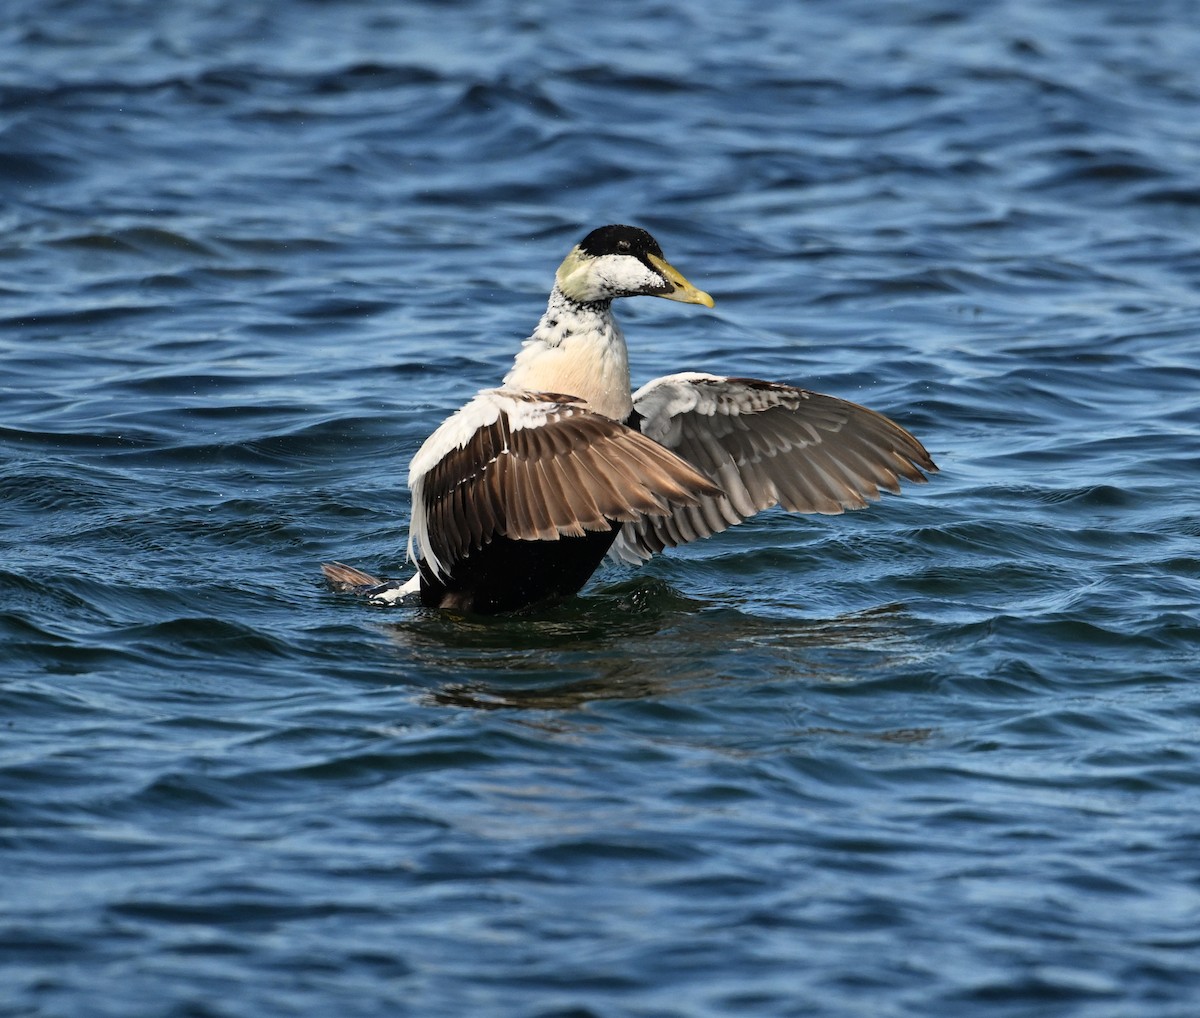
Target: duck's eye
x=623 y=247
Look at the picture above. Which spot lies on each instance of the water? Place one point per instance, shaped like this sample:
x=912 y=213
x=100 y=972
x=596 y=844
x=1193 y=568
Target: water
x=937 y=758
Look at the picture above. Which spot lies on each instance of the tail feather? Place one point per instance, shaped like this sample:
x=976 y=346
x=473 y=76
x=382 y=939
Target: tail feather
x=346 y=578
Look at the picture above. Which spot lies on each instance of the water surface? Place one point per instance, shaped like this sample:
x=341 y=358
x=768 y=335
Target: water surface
x=937 y=758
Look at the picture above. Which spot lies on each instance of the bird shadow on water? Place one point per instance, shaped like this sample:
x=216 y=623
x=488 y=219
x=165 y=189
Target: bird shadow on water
x=640 y=639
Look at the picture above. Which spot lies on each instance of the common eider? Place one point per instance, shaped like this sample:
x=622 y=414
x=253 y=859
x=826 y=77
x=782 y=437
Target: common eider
x=519 y=496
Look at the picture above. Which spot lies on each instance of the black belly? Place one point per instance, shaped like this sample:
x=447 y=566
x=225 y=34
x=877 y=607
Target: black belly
x=505 y=575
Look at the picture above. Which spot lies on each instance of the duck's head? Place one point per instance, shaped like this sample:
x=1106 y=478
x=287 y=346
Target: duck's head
x=622 y=261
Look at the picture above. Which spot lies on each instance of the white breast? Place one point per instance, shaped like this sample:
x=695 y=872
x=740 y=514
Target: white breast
x=577 y=351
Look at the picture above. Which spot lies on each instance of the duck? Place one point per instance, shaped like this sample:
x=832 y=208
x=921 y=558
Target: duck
x=519 y=496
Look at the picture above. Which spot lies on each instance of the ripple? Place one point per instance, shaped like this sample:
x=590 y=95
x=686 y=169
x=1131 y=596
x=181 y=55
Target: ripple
x=917 y=758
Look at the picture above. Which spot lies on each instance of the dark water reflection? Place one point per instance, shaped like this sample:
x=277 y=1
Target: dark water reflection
x=641 y=640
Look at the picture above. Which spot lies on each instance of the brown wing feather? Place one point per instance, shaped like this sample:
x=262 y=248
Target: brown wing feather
x=575 y=471
x=767 y=444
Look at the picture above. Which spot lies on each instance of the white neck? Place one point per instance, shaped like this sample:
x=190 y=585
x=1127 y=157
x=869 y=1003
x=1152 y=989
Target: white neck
x=578 y=350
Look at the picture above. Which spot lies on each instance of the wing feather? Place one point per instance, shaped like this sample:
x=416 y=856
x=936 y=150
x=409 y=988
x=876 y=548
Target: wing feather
x=765 y=444
x=537 y=467
x=578 y=493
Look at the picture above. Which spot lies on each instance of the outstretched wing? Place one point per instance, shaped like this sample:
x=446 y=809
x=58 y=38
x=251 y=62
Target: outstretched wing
x=765 y=444
x=537 y=466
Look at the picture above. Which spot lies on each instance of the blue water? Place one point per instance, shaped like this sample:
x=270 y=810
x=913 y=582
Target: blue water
x=936 y=758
